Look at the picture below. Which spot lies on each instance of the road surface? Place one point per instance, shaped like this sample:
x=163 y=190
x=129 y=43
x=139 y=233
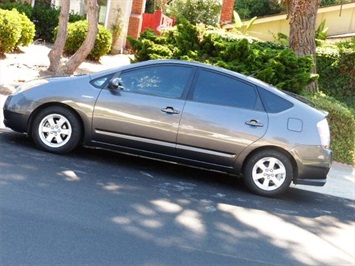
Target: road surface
x=100 y=208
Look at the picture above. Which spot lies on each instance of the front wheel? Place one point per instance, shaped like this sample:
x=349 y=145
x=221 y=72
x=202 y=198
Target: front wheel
x=56 y=129
x=268 y=173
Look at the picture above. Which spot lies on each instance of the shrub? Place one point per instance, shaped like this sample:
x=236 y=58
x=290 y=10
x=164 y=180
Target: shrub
x=27 y=31
x=336 y=68
x=10 y=30
x=77 y=32
x=341 y=122
x=45 y=18
x=15 y=30
x=271 y=63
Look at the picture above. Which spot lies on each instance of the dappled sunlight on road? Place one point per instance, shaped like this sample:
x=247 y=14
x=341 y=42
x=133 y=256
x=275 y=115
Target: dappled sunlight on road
x=303 y=245
x=69 y=175
x=192 y=221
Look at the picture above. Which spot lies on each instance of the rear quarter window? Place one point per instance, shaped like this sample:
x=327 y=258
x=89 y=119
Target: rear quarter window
x=274 y=103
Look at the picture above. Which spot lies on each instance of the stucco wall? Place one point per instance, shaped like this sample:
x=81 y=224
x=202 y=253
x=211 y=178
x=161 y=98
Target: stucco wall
x=120 y=11
x=339 y=20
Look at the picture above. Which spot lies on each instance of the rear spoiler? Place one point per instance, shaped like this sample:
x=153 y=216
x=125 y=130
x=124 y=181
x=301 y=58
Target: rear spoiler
x=300 y=98
x=305 y=100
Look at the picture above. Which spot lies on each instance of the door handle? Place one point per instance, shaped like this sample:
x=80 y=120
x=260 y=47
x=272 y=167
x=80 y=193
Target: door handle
x=254 y=123
x=170 y=110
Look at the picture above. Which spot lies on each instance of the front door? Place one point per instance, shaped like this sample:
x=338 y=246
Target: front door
x=144 y=113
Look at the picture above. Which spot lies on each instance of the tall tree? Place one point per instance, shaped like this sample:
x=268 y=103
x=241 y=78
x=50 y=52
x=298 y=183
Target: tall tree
x=55 y=54
x=76 y=59
x=302 y=19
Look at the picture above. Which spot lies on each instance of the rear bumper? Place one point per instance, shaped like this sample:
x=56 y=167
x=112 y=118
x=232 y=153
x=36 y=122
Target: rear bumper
x=313 y=165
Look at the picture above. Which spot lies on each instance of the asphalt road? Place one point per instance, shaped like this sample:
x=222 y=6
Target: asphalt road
x=100 y=208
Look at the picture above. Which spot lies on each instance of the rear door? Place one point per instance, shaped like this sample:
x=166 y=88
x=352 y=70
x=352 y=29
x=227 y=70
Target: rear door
x=145 y=112
x=222 y=116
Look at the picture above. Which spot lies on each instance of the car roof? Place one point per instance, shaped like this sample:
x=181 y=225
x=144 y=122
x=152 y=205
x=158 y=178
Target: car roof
x=168 y=61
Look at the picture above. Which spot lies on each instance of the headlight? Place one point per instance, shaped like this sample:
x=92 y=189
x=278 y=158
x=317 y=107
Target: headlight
x=30 y=84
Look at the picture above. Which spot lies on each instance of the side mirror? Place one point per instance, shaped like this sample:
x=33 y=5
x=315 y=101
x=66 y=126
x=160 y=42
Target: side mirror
x=115 y=84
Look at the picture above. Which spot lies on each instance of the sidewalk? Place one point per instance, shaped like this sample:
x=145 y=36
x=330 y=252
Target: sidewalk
x=22 y=67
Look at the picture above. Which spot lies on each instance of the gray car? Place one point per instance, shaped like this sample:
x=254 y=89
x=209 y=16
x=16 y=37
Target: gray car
x=183 y=112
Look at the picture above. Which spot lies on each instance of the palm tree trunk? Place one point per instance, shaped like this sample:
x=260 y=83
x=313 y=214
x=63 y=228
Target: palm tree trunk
x=302 y=16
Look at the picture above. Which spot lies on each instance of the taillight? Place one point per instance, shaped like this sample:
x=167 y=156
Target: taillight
x=324 y=133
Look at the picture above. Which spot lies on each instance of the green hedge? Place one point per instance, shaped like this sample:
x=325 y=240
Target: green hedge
x=77 y=32
x=272 y=63
x=336 y=69
x=342 y=124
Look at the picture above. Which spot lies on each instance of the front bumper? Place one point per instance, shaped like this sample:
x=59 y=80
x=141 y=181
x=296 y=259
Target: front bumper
x=14 y=119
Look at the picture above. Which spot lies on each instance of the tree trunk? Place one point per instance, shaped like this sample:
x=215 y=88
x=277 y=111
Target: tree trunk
x=76 y=59
x=55 y=54
x=302 y=16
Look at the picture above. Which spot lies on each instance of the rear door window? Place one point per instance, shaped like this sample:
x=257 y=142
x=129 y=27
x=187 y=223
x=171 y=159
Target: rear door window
x=219 y=89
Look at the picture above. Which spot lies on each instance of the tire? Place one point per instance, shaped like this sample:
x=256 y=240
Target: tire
x=56 y=129
x=268 y=173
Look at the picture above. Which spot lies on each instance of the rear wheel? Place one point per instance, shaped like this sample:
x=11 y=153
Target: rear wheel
x=56 y=129
x=268 y=173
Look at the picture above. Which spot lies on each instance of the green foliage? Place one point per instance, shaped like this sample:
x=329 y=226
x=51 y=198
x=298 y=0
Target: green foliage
x=27 y=31
x=341 y=122
x=45 y=17
x=77 y=32
x=22 y=8
x=15 y=29
x=334 y=2
x=196 y=11
x=321 y=33
x=336 y=69
x=150 y=6
x=269 y=62
x=256 y=8
x=239 y=25
x=10 y=30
